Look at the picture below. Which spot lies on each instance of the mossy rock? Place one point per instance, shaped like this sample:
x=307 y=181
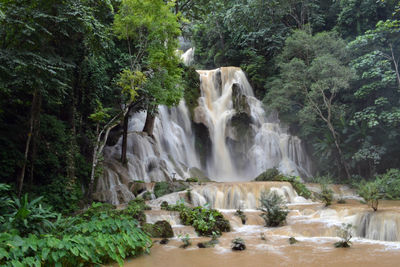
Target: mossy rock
x=198 y=174
x=165 y=188
x=272 y=174
x=191 y=84
x=160 y=229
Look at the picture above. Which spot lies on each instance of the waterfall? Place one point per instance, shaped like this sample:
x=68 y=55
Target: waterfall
x=170 y=154
x=244 y=140
x=243 y=195
x=380 y=225
x=227 y=99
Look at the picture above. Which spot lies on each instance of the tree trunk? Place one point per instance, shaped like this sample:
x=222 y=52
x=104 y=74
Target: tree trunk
x=125 y=137
x=21 y=176
x=396 y=66
x=149 y=125
x=36 y=130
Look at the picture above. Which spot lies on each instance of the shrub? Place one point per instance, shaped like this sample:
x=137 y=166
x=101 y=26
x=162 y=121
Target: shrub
x=371 y=193
x=211 y=243
x=345 y=234
x=292 y=240
x=241 y=215
x=326 y=195
x=205 y=221
x=274 y=210
x=192 y=180
x=6 y=204
x=100 y=235
x=186 y=241
x=30 y=217
x=389 y=184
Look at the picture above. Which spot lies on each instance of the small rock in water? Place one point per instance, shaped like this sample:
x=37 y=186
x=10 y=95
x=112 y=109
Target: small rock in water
x=292 y=240
x=238 y=244
x=164 y=241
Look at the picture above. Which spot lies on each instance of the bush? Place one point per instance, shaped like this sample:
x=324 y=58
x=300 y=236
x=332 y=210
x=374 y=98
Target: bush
x=241 y=215
x=186 y=241
x=6 y=204
x=326 y=195
x=100 y=235
x=30 y=217
x=371 y=193
x=389 y=184
x=205 y=221
x=345 y=234
x=274 y=210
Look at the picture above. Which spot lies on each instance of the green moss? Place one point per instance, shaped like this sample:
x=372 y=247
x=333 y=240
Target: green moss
x=164 y=188
x=191 y=82
x=273 y=174
x=160 y=229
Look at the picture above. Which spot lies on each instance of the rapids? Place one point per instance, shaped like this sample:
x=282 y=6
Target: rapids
x=314 y=226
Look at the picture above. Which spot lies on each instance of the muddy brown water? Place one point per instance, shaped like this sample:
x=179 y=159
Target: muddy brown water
x=314 y=226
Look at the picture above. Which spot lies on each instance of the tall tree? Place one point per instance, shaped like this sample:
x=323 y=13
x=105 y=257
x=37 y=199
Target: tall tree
x=151 y=31
x=312 y=77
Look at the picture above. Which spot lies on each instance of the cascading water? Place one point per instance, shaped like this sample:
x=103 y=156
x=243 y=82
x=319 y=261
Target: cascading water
x=228 y=108
x=170 y=154
x=245 y=142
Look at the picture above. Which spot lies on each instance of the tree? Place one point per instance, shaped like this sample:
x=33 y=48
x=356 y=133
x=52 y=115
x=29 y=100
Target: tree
x=377 y=94
x=151 y=30
x=313 y=75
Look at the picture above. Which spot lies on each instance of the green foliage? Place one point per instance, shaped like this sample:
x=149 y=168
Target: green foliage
x=78 y=241
x=30 y=217
x=239 y=213
x=186 y=241
x=274 y=210
x=6 y=203
x=164 y=188
x=326 y=194
x=389 y=184
x=344 y=232
x=151 y=31
x=205 y=221
x=274 y=175
x=371 y=193
x=191 y=84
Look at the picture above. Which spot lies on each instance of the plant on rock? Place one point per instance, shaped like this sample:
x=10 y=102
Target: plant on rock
x=344 y=232
x=186 y=241
x=371 y=193
x=274 y=210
